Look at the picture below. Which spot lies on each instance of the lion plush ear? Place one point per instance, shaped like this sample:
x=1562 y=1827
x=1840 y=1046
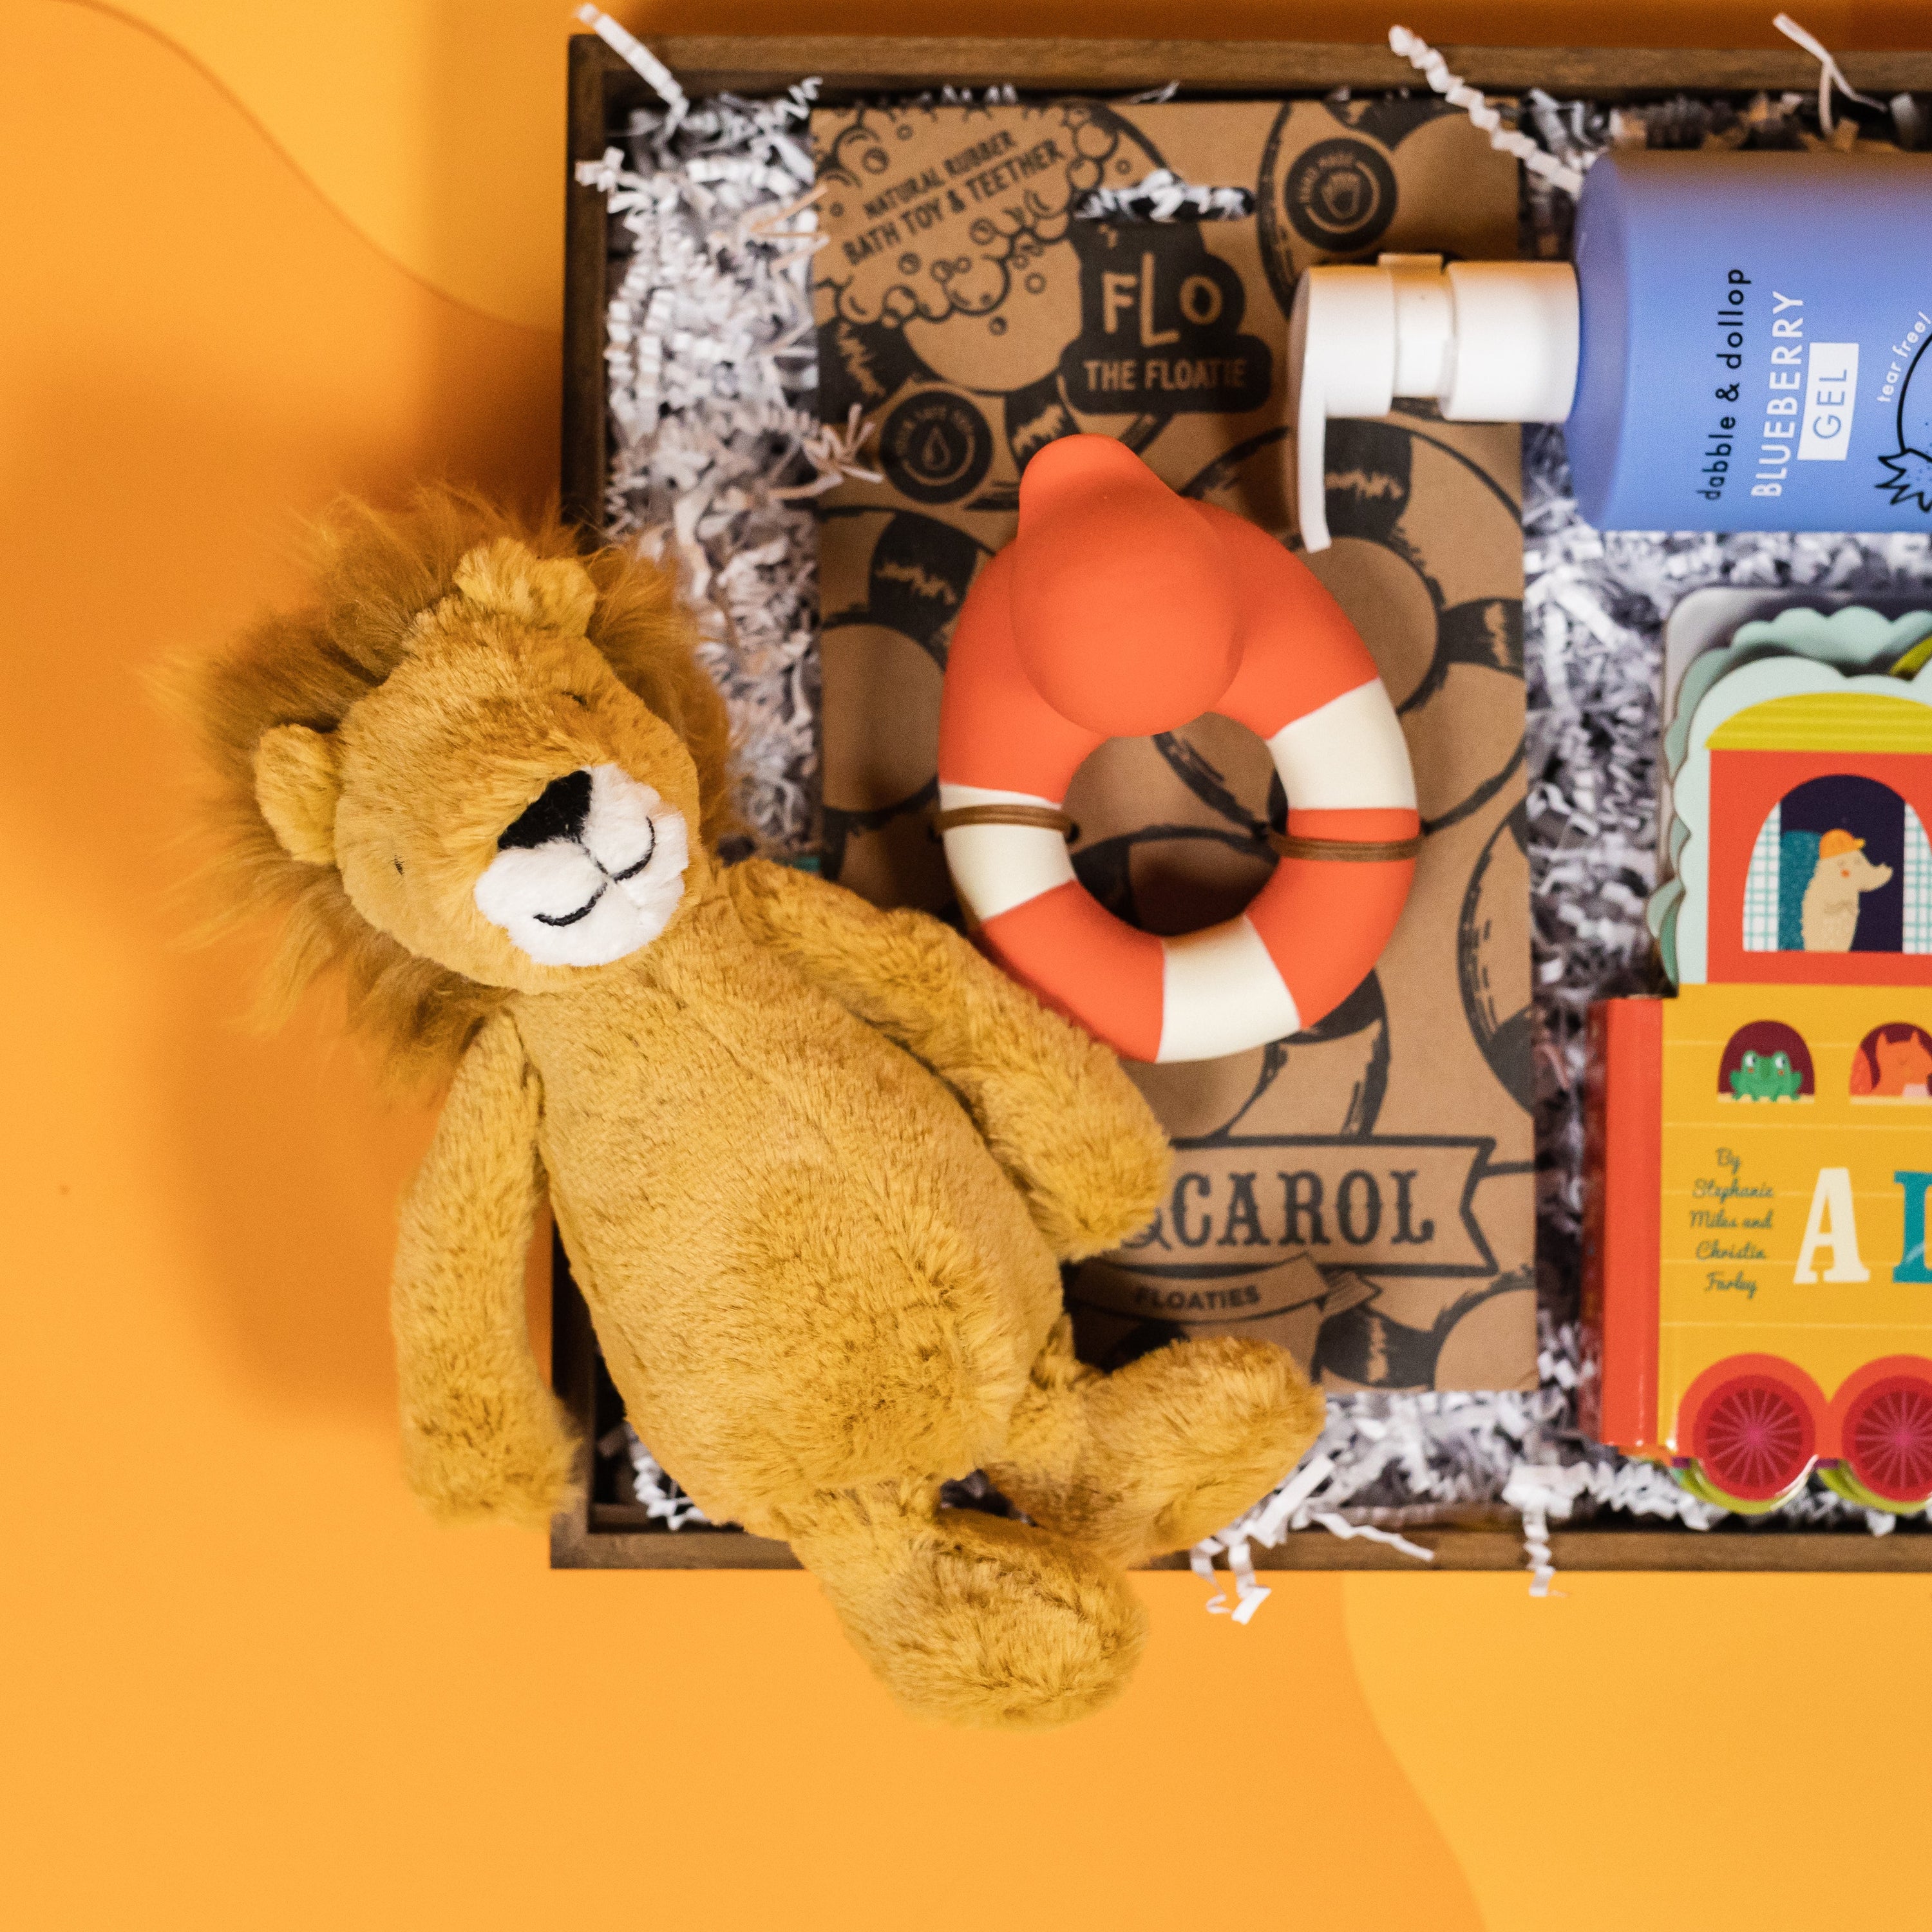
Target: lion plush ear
x=555 y=593
x=296 y=785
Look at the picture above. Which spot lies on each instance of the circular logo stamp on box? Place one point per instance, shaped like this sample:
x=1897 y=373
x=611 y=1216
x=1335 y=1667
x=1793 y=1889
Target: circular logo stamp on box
x=1339 y=195
x=936 y=447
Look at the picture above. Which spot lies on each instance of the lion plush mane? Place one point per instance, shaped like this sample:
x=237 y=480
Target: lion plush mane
x=376 y=573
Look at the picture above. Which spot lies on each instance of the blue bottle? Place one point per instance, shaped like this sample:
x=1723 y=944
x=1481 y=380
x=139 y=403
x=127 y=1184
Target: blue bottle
x=1741 y=345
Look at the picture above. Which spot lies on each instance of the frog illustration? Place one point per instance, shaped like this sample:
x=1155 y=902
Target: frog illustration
x=1766 y=1076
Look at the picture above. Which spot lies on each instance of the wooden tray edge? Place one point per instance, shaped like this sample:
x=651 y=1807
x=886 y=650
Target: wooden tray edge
x=848 y=64
x=600 y=81
x=574 y=1546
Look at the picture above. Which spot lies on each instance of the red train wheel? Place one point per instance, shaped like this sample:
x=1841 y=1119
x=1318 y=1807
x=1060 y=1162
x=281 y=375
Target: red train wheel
x=1753 y=1436
x=1888 y=1439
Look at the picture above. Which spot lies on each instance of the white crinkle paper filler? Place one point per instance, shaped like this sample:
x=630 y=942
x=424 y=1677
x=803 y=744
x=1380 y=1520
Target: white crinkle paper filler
x=1162 y=196
x=662 y=1500
x=1483 y=112
x=716 y=448
x=715 y=444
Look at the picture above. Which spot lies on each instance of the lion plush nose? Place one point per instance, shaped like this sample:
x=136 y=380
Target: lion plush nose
x=558 y=811
x=591 y=869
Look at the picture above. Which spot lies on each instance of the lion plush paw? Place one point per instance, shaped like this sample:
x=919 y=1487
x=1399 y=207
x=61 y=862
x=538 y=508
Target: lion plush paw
x=1163 y=1452
x=1082 y=1147
x=974 y=1620
x=489 y=1472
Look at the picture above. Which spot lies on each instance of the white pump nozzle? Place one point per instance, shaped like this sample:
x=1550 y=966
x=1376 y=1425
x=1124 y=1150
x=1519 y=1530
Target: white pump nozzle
x=1488 y=341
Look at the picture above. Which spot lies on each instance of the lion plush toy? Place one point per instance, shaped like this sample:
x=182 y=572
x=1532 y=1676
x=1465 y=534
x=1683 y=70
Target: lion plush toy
x=815 y=1164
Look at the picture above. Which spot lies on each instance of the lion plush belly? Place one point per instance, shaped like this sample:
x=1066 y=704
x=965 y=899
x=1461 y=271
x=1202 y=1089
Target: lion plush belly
x=806 y=1270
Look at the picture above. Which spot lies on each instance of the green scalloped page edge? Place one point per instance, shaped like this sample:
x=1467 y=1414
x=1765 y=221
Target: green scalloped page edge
x=1852 y=630
x=1914 y=660
x=1855 y=634
x=1661 y=915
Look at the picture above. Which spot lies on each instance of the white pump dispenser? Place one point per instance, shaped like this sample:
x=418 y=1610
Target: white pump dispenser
x=1488 y=341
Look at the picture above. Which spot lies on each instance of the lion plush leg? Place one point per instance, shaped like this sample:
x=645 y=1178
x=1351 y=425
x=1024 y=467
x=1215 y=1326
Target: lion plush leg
x=1161 y=1453
x=969 y=1618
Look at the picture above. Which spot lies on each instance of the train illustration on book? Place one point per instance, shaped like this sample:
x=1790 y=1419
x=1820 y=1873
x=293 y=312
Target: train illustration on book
x=1757 y=1299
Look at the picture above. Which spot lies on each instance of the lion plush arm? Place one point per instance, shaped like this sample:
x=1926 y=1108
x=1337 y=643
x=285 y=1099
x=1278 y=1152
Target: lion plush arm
x=1058 y=1113
x=483 y=1438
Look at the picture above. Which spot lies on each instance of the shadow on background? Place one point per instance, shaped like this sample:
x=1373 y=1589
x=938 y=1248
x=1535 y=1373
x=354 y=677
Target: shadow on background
x=171 y=447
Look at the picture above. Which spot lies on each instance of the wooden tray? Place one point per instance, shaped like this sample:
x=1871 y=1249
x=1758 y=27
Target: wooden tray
x=605 y=1534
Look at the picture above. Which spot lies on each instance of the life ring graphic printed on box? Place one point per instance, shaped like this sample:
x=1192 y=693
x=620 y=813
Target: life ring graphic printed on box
x=1122 y=609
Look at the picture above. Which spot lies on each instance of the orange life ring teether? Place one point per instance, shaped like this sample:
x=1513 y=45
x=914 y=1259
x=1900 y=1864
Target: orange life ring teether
x=1121 y=609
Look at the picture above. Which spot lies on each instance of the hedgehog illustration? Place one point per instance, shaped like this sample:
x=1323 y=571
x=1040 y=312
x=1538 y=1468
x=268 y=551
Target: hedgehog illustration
x=1910 y=463
x=1829 y=914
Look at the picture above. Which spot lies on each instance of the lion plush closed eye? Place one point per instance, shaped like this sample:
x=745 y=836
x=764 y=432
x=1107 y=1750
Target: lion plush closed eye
x=816 y=1166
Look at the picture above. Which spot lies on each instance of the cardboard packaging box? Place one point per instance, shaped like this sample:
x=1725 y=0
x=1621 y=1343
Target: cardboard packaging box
x=1362 y=1193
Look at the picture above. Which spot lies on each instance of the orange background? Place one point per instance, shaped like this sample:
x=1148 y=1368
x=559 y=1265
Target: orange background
x=256 y=254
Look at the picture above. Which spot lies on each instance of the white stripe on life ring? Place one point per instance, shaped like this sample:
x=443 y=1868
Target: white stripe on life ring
x=995 y=868
x=1221 y=994
x=1348 y=755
